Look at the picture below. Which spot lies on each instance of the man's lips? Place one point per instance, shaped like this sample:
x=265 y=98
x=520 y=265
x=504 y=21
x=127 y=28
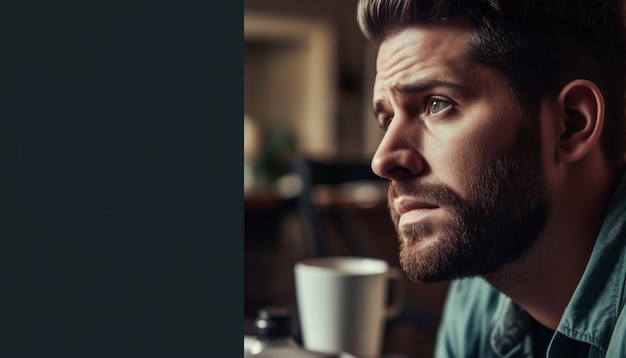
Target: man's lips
x=411 y=210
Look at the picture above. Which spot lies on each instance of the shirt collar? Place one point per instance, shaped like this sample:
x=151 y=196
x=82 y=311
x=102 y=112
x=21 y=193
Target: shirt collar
x=596 y=303
x=512 y=326
x=592 y=312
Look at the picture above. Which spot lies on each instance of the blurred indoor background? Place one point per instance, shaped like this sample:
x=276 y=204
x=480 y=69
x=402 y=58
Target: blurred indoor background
x=308 y=75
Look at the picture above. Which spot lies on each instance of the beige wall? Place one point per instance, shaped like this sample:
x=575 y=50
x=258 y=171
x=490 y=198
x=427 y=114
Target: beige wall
x=345 y=128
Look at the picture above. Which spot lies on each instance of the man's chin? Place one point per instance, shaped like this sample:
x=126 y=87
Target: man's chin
x=423 y=261
x=431 y=259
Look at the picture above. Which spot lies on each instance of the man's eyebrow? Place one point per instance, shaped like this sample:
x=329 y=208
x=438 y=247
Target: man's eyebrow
x=415 y=87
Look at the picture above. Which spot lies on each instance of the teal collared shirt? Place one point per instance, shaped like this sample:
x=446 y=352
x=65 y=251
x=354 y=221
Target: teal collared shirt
x=479 y=321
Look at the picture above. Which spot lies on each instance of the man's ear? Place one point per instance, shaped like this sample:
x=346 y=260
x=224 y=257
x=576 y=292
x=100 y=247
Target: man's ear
x=582 y=107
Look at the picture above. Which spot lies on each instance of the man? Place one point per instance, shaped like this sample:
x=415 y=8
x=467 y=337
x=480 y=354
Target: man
x=504 y=147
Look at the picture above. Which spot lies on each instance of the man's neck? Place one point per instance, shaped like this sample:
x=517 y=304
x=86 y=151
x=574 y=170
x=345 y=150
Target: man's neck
x=544 y=279
x=543 y=282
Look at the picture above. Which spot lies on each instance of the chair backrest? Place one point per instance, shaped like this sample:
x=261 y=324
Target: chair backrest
x=336 y=173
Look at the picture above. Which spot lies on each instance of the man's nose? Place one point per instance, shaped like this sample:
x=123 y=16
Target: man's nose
x=398 y=155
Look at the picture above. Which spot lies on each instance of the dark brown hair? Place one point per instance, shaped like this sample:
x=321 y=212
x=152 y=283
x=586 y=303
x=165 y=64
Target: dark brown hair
x=537 y=45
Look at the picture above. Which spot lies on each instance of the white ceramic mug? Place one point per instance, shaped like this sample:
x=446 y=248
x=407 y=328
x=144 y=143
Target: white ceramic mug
x=342 y=303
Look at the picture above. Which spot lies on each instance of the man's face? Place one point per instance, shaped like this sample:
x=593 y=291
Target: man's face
x=467 y=193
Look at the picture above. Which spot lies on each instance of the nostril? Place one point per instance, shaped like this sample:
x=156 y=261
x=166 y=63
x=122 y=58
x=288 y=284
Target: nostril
x=398 y=172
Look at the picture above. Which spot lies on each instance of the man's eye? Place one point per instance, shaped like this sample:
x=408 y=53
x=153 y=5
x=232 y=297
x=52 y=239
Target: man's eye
x=384 y=123
x=437 y=105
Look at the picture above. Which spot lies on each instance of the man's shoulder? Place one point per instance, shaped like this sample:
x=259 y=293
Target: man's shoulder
x=617 y=342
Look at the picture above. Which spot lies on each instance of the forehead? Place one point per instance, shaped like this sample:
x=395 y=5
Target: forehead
x=430 y=35
x=432 y=49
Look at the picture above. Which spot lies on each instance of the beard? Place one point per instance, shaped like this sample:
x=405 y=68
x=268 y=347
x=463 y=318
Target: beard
x=506 y=210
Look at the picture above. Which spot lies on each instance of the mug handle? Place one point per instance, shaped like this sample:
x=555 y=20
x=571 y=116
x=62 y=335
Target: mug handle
x=398 y=292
